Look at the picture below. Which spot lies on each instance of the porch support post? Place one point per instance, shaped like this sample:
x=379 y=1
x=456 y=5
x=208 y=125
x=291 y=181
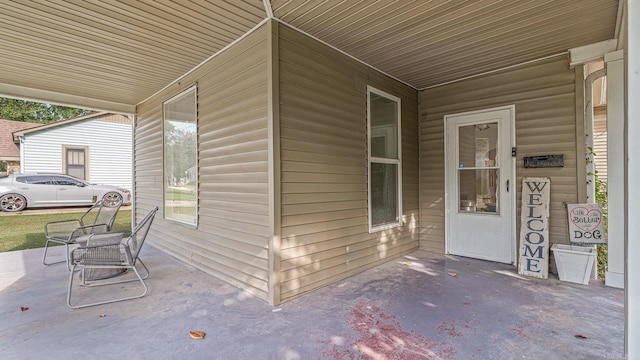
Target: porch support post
x=614 y=63
x=632 y=238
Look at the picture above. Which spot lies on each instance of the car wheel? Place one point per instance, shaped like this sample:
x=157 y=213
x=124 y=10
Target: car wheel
x=112 y=199
x=12 y=202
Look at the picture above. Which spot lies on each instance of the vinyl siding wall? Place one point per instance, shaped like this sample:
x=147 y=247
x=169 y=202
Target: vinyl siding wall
x=232 y=236
x=323 y=138
x=108 y=143
x=545 y=108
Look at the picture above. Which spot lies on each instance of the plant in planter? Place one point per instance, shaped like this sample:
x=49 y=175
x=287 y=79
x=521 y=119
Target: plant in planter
x=601 y=198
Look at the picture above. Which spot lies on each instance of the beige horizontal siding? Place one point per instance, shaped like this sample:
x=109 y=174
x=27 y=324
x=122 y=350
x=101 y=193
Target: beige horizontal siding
x=323 y=153
x=231 y=240
x=544 y=98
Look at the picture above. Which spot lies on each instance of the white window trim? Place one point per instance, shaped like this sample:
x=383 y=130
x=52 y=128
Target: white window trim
x=398 y=161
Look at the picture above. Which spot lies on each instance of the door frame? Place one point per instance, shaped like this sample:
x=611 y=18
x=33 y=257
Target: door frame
x=512 y=174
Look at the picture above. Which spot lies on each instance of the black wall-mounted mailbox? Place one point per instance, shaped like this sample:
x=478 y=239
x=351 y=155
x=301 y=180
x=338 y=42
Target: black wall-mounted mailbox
x=544 y=161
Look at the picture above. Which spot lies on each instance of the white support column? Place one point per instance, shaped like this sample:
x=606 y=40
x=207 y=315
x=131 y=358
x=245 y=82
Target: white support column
x=588 y=129
x=614 y=63
x=632 y=238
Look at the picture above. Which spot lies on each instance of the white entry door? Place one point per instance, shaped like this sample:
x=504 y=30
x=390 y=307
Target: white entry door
x=480 y=188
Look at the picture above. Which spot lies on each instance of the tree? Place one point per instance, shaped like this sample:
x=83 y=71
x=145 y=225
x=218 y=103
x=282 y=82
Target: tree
x=30 y=111
x=180 y=151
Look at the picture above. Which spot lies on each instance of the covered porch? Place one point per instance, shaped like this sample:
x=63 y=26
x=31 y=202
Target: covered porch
x=422 y=305
x=270 y=217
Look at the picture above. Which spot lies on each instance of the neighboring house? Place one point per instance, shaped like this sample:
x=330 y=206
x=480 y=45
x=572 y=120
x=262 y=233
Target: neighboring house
x=600 y=141
x=9 y=150
x=94 y=147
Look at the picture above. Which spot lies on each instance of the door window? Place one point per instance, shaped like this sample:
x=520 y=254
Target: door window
x=478 y=168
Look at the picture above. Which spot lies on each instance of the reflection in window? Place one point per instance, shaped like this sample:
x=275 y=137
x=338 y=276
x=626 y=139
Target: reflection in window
x=478 y=170
x=181 y=157
x=385 y=164
x=478 y=190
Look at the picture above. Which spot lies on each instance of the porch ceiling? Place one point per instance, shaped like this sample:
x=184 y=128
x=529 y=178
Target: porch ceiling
x=113 y=55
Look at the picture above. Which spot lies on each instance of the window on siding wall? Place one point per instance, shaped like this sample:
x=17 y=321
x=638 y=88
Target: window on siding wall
x=181 y=157
x=75 y=161
x=385 y=161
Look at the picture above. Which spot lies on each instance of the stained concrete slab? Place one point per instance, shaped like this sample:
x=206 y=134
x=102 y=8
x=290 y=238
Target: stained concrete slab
x=421 y=306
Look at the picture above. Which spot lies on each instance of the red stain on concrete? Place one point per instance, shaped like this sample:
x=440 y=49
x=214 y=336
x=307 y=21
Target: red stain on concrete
x=618 y=296
x=468 y=327
x=529 y=329
x=449 y=327
x=381 y=337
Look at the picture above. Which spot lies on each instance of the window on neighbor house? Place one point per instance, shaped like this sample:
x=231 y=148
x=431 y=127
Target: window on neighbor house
x=181 y=157
x=74 y=161
x=385 y=161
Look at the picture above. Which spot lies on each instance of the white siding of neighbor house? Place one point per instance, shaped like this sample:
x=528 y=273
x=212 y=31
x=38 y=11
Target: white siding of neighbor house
x=233 y=232
x=600 y=141
x=544 y=94
x=109 y=149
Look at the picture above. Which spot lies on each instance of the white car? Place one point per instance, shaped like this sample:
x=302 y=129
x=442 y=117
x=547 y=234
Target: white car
x=20 y=191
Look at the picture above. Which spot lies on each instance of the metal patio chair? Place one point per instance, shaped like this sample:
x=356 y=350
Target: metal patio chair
x=111 y=250
x=99 y=218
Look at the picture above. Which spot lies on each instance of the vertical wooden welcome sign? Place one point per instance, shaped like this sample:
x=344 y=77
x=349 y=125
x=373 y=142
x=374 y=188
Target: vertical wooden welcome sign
x=534 y=227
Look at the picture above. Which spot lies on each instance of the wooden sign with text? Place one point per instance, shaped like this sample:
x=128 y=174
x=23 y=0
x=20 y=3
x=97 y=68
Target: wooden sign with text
x=586 y=225
x=534 y=227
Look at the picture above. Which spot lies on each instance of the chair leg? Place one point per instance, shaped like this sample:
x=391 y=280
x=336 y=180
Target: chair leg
x=139 y=278
x=46 y=248
x=73 y=271
x=145 y=269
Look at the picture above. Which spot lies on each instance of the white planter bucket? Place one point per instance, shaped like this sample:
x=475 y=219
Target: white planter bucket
x=574 y=263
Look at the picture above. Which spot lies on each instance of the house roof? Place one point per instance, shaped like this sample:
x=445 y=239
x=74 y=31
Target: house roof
x=8 y=149
x=93 y=116
x=112 y=56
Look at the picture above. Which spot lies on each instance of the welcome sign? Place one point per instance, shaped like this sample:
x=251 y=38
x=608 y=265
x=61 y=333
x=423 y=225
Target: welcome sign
x=586 y=225
x=534 y=227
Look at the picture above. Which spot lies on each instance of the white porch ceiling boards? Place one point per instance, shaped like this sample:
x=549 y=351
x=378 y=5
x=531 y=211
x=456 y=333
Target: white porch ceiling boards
x=117 y=51
x=426 y=43
x=120 y=52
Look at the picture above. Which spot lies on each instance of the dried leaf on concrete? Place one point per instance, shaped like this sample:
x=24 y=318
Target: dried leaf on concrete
x=452 y=274
x=23 y=308
x=196 y=334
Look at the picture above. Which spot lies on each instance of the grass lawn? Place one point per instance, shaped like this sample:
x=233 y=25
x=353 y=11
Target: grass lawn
x=20 y=232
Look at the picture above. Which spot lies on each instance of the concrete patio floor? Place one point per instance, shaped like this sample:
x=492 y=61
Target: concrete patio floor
x=409 y=308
